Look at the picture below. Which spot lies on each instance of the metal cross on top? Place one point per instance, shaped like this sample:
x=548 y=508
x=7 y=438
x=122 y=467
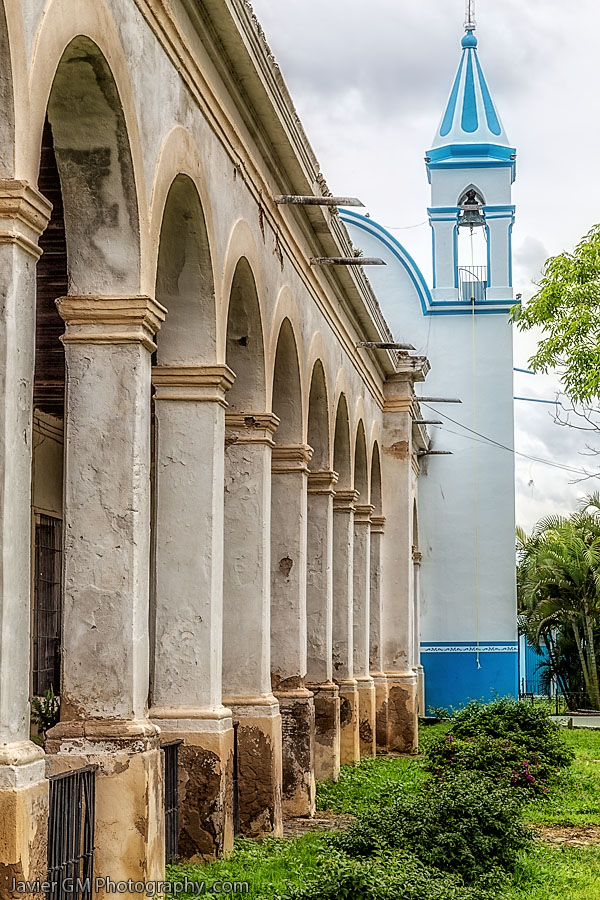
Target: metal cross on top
x=470 y=24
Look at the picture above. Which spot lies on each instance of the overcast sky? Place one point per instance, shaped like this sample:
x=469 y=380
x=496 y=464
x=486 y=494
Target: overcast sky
x=370 y=81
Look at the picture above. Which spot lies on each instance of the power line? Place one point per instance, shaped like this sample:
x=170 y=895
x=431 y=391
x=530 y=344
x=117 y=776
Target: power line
x=538 y=459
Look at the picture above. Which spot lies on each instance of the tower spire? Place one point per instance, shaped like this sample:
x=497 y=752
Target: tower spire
x=470 y=23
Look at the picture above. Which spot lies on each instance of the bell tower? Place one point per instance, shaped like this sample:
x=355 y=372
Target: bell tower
x=471 y=168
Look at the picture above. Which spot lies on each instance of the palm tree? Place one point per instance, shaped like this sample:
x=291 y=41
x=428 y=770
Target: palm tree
x=559 y=585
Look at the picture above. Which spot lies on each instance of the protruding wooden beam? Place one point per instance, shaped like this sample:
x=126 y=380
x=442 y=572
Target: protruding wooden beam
x=346 y=261
x=299 y=200
x=435 y=453
x=438 y=400
x=427 y=422
x=384 y=345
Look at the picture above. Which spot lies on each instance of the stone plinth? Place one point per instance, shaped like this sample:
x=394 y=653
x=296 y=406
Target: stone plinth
x=343 y=624
x=327 y=730
x=361 y=628
x=129 y=836
x=259 y=760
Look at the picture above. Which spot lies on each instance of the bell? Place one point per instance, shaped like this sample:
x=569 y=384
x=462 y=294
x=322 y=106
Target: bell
x=471 y=215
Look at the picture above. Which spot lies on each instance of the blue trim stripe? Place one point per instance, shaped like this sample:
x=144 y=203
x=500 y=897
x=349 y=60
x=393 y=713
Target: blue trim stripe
x=451 y=108
x=429 y=306
x=470 y=120
x=490 y=112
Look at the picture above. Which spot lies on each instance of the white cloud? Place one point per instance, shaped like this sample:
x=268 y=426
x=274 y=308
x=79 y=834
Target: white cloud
x=370 y=82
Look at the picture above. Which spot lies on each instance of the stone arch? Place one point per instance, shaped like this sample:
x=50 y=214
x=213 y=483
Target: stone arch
x=376 y=480
x=341 y=446
x=179 y=156
x=245 y=344
x=361 y=474
x=318 y=420
x=97 y=180
x=240 y=246
x=184 y=280
x=7 y=101
x=287 y=390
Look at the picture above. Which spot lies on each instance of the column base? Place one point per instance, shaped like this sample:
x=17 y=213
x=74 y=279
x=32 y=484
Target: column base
x=366 y=716
x=24 y=818
x=403 y=721
x=130 y=831
x=420 y=673
x=257 y=723
x=349 y=722
x=298 y=751
x=205 y=778
x=381 y=709
x=327 y=730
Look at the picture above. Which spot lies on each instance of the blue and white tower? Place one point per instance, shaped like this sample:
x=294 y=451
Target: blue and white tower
x=468 y=639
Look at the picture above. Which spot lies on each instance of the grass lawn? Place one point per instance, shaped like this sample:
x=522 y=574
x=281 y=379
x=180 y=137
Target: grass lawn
x=546 y=873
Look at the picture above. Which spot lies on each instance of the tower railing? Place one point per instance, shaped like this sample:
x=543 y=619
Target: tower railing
x=472 y=283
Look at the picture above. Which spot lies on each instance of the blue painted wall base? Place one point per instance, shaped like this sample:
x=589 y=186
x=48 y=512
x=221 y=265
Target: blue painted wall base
x=452 y=676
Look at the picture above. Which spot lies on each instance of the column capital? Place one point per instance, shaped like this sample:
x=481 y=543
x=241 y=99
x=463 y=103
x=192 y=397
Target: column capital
x=24 y=215
x=377 y=524
x=344 y=501
x=94 y=319
x=201 y=384
x=363 y=513
x=398 y=404
x=290 y=458
x=322 y=482
x=250 y=428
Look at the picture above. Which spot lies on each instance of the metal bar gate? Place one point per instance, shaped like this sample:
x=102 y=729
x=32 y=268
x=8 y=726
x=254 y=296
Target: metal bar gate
x=171 y=754
x=71 y=834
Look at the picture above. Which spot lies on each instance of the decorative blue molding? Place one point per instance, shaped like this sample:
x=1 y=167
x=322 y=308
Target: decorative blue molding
x=429 y=306
x=470 y=120
x=451 y=108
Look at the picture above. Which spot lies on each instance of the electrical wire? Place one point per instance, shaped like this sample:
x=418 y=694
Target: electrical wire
x=485 y=439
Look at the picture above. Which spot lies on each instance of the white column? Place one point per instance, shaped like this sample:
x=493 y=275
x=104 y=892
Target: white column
x=361 y=628
x=376 y=644
x=445 y=255
x=500 y=251
x=319 y=601
x=105 y=673
x=24 y=214
x=247 y=619
x=343 y=624
x=289 y=470
x=187 y=667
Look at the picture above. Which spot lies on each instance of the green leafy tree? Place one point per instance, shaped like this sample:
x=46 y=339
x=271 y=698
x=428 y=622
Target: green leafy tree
x=559 y=585
x=567 y=309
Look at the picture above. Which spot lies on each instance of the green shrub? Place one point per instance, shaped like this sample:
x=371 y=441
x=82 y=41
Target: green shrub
x=516 y=721
x=468 y=825
x=501 y=759
x=391 y=876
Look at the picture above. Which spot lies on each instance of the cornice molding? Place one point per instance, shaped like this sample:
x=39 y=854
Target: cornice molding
x=363 y=513
x=24 y=215
x=378 y=524
x=323 y=482
x=290 y=458
x=345 y=501
x=200 y=384
x=250 y=428
x=94 y=319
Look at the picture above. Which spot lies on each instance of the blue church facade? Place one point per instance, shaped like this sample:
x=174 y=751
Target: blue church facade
x=466 y=595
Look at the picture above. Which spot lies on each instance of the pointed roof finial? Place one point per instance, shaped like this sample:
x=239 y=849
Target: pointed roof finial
x=470 y=23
